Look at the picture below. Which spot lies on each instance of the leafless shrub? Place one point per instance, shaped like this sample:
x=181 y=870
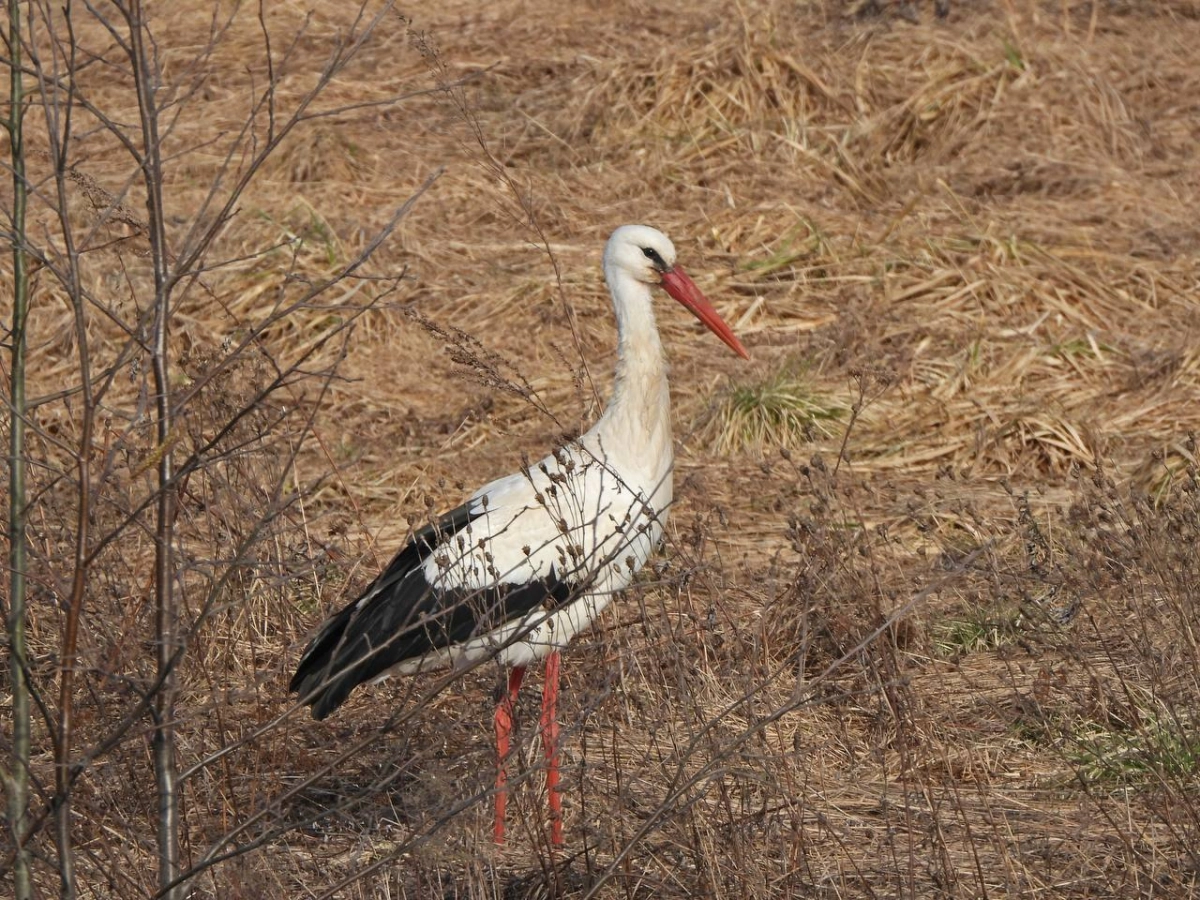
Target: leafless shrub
x=162 y=448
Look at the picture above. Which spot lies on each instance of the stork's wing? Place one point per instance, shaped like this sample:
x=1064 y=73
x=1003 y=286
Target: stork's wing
x=409 y=611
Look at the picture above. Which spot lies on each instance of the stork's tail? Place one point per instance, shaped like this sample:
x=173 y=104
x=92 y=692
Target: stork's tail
x=323 y=679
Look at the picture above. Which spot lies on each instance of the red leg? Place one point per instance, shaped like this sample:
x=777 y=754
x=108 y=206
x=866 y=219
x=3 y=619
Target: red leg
x=550 y=745
x=504 y=719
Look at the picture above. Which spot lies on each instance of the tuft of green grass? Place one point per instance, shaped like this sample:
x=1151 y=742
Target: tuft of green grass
x=1082 y=348
x=799 y=243
x=780 y=411
x=957 y=637
x=1013 y=56
x=1155 y=751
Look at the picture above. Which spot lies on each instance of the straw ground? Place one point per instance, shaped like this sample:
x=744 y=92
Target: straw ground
x=925 y=623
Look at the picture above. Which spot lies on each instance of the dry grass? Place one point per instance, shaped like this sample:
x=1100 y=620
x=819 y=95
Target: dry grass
x=938 y=639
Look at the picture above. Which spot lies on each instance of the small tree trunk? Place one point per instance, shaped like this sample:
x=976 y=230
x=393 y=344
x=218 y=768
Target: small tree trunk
x=17 y=778
x=146 y=76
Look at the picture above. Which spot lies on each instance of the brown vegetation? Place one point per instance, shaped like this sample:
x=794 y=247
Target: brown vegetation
x=926 y=622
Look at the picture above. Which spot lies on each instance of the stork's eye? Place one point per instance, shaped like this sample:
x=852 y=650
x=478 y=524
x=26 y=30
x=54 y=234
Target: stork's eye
x=651 y=254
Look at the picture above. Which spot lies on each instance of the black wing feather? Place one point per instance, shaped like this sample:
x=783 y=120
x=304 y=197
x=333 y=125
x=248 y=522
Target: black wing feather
x=406 y=618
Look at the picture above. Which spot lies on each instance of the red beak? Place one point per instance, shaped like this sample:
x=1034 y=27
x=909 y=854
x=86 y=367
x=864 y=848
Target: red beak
x=678 y=285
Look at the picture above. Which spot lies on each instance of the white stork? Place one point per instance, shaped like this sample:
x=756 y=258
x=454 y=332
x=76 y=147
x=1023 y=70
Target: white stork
x=531 y=559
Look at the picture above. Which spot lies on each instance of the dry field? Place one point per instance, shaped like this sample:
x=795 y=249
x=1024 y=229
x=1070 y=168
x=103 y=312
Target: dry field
x=927 y=621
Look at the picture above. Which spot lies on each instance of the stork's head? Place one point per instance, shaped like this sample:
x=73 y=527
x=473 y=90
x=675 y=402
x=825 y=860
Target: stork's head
x=648 y=256
x=644 y=252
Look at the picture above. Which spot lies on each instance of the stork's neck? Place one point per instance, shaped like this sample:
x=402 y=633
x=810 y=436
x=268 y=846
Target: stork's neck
x=639 y=413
